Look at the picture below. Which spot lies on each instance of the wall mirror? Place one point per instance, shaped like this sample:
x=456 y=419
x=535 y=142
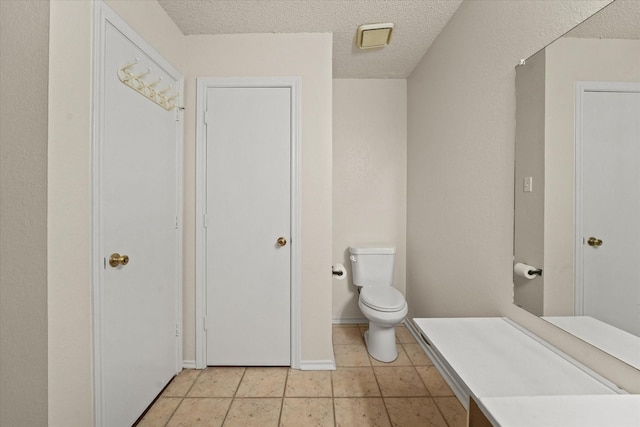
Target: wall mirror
x=577 y=181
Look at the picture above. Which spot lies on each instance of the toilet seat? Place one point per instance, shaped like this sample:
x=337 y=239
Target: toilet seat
x=382 y=298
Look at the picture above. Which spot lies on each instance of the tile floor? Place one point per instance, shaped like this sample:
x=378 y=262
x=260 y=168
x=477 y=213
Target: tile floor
x=360 y=392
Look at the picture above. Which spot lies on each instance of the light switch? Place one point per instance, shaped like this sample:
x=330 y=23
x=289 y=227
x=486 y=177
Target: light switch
x=528 y=184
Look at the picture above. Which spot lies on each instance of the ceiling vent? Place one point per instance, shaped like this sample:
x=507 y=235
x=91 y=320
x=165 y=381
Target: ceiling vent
x=372 y=36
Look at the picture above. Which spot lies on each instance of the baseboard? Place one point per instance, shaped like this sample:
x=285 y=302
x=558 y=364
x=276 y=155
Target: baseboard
x=318 y=365
x=350 y=320
x=189 y=364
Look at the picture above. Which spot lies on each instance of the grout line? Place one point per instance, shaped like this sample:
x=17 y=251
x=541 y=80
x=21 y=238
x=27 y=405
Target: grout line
x=284 y=391
x=440 y=411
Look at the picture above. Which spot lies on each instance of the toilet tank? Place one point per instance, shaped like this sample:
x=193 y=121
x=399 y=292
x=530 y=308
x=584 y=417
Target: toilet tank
x=372 y=266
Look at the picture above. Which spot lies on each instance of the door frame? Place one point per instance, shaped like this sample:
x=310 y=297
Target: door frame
x=203 y=84
x=581 y=88
x=103 y=15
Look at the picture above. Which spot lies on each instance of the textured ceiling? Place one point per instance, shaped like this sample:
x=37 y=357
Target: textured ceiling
x=417 y=24
x=618 y=20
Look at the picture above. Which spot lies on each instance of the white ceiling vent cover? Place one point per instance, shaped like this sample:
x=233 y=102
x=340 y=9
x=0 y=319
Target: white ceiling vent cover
x=374 y=35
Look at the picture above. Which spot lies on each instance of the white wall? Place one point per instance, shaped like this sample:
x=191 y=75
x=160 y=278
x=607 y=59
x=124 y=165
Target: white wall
x=69 y=201
x=70 y=364
x=69 y=303
x=24 y=46
x=461 y=128
x=369 y=178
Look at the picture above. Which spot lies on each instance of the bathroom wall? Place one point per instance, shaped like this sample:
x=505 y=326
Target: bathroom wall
x=24 y=46
x=70 y=336
x=70 y=364
x=461 y=127
x=251 y=55
x=369 y=178
x=305 y=55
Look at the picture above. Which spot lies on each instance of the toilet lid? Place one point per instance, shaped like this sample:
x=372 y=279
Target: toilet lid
x=382 y=298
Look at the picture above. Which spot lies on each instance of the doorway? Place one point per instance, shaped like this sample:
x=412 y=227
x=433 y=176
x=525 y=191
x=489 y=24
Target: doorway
x=247 y=245
x=608 y=203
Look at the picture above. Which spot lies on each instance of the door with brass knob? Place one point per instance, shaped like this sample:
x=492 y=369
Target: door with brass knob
x=138 y=234
x=594 y=242
x=247 y=206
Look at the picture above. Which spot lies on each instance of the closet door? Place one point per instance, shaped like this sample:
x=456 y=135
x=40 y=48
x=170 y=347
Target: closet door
x=248 y=223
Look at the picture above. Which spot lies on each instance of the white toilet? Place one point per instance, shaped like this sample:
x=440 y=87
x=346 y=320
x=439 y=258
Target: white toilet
x=382 y=304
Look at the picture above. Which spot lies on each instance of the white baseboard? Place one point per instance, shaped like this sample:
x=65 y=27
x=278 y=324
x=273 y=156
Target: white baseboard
x=318 y=365
x=350 y=320
x=189 y=364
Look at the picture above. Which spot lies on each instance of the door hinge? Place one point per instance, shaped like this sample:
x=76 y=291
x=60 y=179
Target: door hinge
x=205 y=220
x=206 y=117
x=204 y=323
x=177 y=330
x=177 y=223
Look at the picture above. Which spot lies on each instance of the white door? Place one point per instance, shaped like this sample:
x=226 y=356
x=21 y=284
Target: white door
x=248 y=225
x=137 y=304
x=611 y=207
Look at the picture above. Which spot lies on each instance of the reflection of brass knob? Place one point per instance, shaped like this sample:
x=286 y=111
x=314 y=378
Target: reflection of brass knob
x=281 y=241
x=116 y=259
x=594 y=242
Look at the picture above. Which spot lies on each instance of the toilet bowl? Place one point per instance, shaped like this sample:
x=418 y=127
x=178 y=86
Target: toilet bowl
x=383 y=305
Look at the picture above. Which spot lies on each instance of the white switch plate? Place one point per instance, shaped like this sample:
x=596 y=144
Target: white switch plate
x=528 y=184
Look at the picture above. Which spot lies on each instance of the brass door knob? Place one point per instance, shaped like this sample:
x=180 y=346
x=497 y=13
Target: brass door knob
x=281 y=241
x=594 y=242
x=116 y=259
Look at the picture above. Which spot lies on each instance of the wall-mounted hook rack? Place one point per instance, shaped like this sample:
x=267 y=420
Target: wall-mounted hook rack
x=136 y=82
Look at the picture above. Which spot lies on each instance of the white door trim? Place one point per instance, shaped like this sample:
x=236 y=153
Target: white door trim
x=202 y=85
x=581 y=88
x=103 y=15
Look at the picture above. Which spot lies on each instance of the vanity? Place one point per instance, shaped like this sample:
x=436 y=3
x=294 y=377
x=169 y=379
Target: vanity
x=505 y=376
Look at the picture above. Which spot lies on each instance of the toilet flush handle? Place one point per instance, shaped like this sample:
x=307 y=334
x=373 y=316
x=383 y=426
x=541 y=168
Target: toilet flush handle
x=352 y=258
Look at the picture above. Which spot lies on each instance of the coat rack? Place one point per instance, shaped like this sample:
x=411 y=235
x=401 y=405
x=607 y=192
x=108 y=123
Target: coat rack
x=137 y=82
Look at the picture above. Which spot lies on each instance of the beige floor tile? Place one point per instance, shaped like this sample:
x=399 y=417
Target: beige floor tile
x=258 y=412
x=160 y=412
x=351 y=355
x=200 y=412
x=361 y=412
x=263 y=382
x=347 y=335
x=403 y=335
x=354 y=382
x=414 y=411
x=181 y=383
x=401 y=360
x=316 y=412
x=417 y=354
x=452 y=410
x=436 y=385
x=217 y=382
x=308 y=384
x=400 y=382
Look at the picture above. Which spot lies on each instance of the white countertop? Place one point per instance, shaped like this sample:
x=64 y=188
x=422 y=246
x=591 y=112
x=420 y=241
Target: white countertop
x=563 y=411
x=494 y=358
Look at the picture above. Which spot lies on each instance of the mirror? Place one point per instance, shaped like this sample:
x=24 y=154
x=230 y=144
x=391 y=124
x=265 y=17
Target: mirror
x=577 y=200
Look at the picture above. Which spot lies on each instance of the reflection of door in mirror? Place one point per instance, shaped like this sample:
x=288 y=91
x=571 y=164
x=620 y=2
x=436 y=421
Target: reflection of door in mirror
x=608 y=203
x=545 y=229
